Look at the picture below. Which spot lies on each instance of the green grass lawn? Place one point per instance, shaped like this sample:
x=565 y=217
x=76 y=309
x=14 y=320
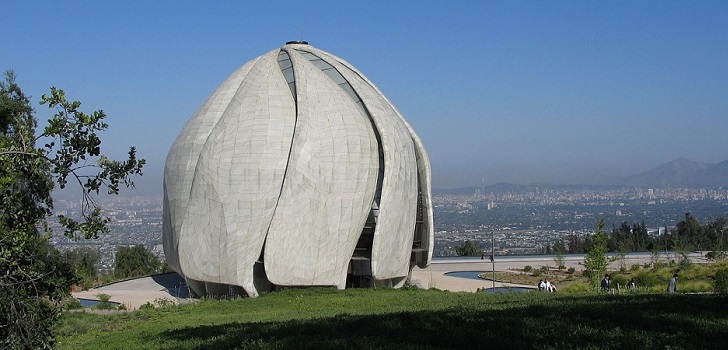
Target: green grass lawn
x=385 y=318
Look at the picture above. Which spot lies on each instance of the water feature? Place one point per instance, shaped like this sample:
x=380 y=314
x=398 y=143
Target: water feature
x=475 y=276
x=89 y=303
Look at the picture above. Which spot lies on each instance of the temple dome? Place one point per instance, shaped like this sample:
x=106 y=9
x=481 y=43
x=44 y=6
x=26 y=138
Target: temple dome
x=296 y=171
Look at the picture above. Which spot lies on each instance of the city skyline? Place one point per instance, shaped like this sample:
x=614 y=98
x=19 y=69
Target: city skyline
x=499 y=92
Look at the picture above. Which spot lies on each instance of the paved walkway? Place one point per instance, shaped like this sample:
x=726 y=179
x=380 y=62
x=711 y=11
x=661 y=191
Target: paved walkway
x=434 y=275
x=136 y=292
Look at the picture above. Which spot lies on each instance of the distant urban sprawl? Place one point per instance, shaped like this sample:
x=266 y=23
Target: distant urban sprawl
x=519 y=221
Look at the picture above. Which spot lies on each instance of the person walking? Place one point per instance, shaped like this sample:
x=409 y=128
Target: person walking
x=605 y=283
x=672 y=285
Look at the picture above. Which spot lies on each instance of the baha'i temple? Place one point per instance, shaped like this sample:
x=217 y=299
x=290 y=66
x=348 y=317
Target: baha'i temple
x=296 y=171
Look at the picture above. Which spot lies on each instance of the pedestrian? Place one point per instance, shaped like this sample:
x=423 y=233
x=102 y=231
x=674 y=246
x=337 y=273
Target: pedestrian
x=548 y=286
x=605 y=283
x=672 y=285
x=632 y=284
x=541 y=285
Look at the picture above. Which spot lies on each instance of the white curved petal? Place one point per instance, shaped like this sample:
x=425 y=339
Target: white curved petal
x=180 y=165
x=328 y=188
x=423 y=164
x=238 y=180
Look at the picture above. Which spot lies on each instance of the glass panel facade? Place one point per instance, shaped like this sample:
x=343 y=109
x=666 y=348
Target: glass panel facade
x=284 y=61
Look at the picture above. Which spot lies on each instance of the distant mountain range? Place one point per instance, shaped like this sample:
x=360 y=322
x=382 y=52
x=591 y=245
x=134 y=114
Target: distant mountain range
x=683 y=173
x=679 y=173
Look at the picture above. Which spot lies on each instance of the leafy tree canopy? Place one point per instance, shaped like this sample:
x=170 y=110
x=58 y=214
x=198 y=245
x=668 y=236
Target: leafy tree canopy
x=596 y=259
x=135 y=261
x=33 y=277
x=468 y=248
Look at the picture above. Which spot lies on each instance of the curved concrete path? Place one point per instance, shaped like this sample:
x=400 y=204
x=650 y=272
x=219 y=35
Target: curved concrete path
x=136 y=292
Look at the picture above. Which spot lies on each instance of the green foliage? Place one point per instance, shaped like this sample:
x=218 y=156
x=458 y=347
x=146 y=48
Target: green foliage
x=468 y=248
x=34 y=277
x=688 y=234
x=527 y=268
x=33 y=280
x=577 y=287
x=685 y=261
x=695 y=286
x=104 y=303
x=648 y=279
x=571 y=270
x=163 y=302
x=70 y=303
x=559 y=258
x=619 y=279
x=75 y=133
x=595 y=262
x=715 y=255
x=135 y=261
x=720 y=282
x=83 y=261
x=147 y=306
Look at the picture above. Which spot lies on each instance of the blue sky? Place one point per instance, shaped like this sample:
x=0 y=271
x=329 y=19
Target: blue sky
x=554 y=91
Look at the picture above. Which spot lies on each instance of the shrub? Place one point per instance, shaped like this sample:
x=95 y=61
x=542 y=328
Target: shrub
x=527 y=268
x=658 y=265
x=620 y=280
x=720 y=282
x=146 y=306
x=715 y=255
x=634 y=267
x=694 y=287
x=646 y=279
x=71 y=304
x=571 y=270
x=577 y=287
x=104 y=303
x=684 y=262
x=163 y=302
x=697 y=272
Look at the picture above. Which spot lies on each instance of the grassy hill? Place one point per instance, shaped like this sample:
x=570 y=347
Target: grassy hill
x=425 y=319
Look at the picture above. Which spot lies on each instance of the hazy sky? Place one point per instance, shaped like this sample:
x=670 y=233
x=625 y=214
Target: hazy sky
x=555 y=91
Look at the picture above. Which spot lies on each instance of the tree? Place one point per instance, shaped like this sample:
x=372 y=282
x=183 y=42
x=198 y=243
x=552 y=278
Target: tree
x=83 y=261
x=468 y=248
x=596 y=260
x=716 y=230
x=690 y=234
x=135 y=261
x=33 y=276
x=559 y=249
